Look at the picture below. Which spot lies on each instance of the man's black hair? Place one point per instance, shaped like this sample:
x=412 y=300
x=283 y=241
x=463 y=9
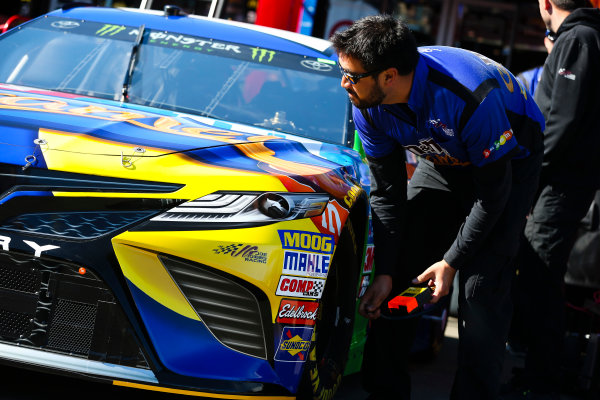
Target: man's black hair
x=571 y=5
x=379 y=42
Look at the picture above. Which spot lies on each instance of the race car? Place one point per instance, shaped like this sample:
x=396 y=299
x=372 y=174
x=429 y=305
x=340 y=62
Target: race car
x=181 y=205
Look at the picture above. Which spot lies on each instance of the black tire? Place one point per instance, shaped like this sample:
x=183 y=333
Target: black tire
x=332 y=335
x=431 y=332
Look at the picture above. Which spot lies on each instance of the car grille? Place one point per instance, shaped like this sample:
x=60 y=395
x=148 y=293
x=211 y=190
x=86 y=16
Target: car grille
x=230 y=311
x=74 y=225
x=48 y=305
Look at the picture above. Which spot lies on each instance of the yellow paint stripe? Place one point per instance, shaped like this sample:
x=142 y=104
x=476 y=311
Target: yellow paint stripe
x=194 y=393
x=145 y=271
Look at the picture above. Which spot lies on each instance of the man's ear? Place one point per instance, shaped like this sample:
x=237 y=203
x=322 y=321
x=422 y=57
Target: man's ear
x=389 y=75
x=548 y=6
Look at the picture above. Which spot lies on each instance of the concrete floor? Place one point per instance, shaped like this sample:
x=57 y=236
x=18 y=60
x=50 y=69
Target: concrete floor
x=433 y=380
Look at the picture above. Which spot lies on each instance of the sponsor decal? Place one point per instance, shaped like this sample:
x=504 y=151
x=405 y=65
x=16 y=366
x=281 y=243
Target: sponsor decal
x=246 y=252
x=305 y=264
x=432 y=151
x=504 y=74
x=352 y=195
x=295 y=286
x=505 y=137
x=65 y=24
x=437 y=123
x=331 y=219
x=307 y=241
x=445 y=159
x=316 y=65
x=37 y=249
x=364 y=284
x=259 y=55
x=110 y=30
x=425 y=146
x=189 y=42
x=297 y=312
x=567 y=74
x=369 y=257
x=294 y=344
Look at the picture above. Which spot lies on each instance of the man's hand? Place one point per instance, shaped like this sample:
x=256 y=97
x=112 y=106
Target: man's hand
x=376 y=293
x=440 y=275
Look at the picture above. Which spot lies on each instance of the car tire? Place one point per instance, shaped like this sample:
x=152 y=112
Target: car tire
x=333 y=330
x=431 y=332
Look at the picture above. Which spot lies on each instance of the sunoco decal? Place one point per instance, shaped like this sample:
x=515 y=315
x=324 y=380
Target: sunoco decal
x=295 y=286
x=294 y=344
x=297 y=312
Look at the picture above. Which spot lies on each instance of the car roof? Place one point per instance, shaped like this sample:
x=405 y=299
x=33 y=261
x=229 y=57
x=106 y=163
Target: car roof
x=224 y=30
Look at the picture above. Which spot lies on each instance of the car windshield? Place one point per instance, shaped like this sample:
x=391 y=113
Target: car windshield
x=223 y=80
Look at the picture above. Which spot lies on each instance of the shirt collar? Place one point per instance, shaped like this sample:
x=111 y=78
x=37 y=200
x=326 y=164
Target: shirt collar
x=417 y=91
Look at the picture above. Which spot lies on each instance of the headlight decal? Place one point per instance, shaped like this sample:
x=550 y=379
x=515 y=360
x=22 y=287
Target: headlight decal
x=226 y=210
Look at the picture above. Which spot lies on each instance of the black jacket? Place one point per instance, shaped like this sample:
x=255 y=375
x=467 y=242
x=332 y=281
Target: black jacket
x=569 y=97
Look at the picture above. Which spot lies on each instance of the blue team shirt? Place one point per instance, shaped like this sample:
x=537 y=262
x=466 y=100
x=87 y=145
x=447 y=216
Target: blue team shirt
x=464 y=109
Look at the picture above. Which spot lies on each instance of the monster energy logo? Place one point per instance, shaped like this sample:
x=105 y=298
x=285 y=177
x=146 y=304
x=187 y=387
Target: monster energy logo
x=261 y=53
x=110 y=30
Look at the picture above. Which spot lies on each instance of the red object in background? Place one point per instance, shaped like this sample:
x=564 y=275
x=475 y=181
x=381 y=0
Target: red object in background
x=281 y=14
x=11 y=22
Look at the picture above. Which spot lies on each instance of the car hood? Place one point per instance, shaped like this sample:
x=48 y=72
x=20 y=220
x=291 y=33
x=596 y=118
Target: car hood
x=60 y=121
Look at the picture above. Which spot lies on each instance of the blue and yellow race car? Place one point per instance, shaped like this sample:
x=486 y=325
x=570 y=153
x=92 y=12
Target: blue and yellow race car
x=181 y=207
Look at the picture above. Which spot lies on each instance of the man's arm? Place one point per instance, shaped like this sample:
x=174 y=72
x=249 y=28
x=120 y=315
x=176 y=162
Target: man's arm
x=492 y=188
x=572 y=86
x=388 y=204
x=492 y=185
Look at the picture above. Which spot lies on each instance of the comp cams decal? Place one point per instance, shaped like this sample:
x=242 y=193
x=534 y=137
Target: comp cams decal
x=296 y=286
x=297 y=312
x=306 y=253
x=294 y=344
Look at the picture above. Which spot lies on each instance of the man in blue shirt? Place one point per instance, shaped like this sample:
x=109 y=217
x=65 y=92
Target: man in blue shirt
x=478 y=135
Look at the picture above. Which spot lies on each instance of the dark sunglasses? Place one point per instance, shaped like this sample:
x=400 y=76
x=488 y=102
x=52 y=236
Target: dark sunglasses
x=550 y=35
x=354 y=78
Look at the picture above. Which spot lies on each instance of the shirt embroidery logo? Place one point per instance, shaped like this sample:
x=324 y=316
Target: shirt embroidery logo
x=432 y=151
x=566 y=73
x=505 y=137
x=437 y=123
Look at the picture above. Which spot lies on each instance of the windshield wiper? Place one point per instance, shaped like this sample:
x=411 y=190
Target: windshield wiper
x=131 y=64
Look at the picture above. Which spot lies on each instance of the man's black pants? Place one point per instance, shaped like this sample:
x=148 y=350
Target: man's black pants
x=550 y=234
x=439 y=199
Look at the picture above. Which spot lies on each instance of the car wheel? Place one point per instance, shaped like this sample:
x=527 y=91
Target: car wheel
x=332 y=335
x=431 y=331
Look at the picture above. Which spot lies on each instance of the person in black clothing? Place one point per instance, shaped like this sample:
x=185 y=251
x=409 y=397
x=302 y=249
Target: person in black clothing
x=531 y=77
x=568 y=97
